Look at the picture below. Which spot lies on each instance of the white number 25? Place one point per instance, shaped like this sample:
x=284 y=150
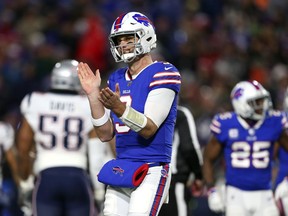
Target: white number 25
x=243 y=157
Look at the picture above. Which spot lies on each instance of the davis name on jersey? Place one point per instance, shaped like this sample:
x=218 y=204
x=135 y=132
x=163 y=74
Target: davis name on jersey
x=134 y=92
x=248 y=150
x=62 y=123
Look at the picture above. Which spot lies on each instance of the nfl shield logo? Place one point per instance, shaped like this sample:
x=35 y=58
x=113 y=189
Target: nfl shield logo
x=233 y=133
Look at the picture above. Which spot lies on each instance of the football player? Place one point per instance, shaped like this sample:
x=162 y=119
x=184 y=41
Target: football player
x=246 y=137
x=281 y=182
x=142 y=98
x=58 y=122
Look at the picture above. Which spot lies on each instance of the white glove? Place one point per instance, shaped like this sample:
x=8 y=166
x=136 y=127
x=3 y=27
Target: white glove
x=99 y=194
x=25 y=189
x=27 y=185
x=282 y=189
x=215 y=200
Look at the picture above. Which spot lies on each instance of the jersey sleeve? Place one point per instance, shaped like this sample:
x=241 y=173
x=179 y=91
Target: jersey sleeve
x=167 y=76
x=219 y=126
x=215 y=126
x=25 y=103
x=284 y=121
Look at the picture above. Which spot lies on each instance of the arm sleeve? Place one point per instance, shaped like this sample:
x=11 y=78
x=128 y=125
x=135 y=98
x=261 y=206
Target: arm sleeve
x=158 y=104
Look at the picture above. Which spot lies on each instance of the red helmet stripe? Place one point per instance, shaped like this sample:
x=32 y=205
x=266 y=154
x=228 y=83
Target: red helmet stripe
x=255 y=84
x=118 y=22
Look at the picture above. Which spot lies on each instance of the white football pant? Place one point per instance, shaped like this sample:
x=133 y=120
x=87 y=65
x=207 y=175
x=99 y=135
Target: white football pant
x=142 y=200
x=250 y=203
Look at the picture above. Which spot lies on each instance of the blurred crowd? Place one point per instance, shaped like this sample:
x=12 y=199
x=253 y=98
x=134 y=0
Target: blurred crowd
x=214 y=43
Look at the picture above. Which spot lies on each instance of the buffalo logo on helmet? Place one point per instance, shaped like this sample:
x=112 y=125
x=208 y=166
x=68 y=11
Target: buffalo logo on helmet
x=137 y=17
x=142 y=20
x=238 y=93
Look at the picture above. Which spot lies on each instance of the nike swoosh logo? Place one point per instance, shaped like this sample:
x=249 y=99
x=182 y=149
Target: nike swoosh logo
x=167 y=68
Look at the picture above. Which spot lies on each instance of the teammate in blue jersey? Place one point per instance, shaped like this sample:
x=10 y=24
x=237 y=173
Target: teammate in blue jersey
x=282 y=157
x=142 y=98
x=246 y=138
x=281 y=181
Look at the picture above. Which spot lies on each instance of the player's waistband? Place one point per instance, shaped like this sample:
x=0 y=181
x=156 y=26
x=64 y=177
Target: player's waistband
x=153 y=164
x=63 y=169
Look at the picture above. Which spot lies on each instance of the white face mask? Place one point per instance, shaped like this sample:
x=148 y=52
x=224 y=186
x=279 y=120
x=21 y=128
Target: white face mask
x=260 y=106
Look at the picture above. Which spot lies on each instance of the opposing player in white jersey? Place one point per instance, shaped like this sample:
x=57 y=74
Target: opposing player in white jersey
x=246 y=137
x=59 y=123
x=142 y=98
x=281 y=181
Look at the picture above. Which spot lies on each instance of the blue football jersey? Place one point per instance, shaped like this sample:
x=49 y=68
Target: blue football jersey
x=134 y=92
x=283 y=166
x=248 y=150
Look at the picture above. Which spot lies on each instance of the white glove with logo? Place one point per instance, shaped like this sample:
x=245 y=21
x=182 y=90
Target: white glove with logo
x=215 y=200
x=282 y=189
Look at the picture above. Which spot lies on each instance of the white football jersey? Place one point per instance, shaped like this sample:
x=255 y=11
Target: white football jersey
x=61 y=123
